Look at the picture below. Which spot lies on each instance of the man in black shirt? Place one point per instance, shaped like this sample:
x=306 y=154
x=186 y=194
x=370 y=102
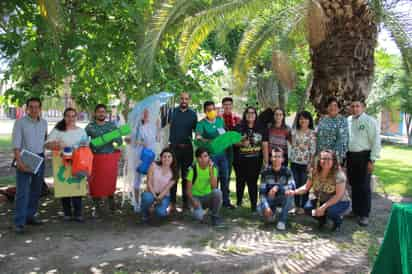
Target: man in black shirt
x=182 y=124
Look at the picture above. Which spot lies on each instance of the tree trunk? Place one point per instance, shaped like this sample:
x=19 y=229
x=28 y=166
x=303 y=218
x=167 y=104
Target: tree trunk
x=343 y=63
x=408 y=123
x=270 y=93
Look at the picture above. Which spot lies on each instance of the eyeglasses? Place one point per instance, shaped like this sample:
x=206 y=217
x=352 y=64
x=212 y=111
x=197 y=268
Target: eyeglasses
x=326 y=159
x=277 y=156
x=251 y=112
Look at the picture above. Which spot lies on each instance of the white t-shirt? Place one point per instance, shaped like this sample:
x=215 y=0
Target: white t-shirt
x=70 y=138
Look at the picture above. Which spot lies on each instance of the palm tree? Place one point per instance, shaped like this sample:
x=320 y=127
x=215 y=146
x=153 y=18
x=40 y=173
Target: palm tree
x=342 y=36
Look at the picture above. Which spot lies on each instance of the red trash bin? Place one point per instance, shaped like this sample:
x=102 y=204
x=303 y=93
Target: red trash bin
x=102 y=182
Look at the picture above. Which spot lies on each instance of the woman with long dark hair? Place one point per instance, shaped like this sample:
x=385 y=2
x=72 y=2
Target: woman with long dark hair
x=328 y=197
x=161 y=177
x=278 y=135
x=303 y=149
x=250 y=156
x=67 y=136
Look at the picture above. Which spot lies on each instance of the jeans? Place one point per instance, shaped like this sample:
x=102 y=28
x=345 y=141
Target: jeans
x=335 y=212
x=212 y=201
x=184 y=158
x=286 y=202
x=28 y=190
x=300 y=175
x=222 y=165
x=67 y=204
x=160 y=209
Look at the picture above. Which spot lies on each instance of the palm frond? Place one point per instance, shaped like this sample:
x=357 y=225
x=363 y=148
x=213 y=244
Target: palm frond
x=167 y=15
x=399 y=25
x=262 y=30
x=197 y=27
x=316 y=23
x=190 y=40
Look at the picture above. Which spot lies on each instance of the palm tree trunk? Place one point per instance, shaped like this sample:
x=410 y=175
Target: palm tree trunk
x=270 y=92
x=343 y=63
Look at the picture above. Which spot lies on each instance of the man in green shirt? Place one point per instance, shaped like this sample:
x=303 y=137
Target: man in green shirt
x=202 y=188
x=95 y=129
x=207 y=130
x=364 y=149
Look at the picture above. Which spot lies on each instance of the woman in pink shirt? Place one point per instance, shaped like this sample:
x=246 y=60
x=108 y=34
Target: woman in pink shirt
x=161 y=177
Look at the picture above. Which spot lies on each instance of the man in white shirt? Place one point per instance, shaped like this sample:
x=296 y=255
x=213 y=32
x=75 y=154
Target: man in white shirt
x=364 y=149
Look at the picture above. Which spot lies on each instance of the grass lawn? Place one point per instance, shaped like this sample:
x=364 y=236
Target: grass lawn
x=394 y=170
x=5 y=143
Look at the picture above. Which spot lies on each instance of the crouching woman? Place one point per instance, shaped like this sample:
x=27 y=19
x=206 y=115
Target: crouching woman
x=161 y=177
x=328 y=197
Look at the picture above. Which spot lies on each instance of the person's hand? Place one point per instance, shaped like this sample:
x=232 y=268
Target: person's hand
x=370 y=167
x=210 y=164
x=127 y=139
x=272 y=192
x=290 y=193
x=319 y=212
x=21 y=166
x=245 y=142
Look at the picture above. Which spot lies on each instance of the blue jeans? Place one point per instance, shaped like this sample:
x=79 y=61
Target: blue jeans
x=222 y=164
x=300 y=175
x=335 y=212
x=286 y=202
x=160 y=209
x=28 y=190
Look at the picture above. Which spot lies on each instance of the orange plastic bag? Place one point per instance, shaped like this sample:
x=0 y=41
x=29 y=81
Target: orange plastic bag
x=82 y=162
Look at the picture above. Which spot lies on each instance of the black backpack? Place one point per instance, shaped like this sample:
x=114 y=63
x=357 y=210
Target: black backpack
x=194 y=168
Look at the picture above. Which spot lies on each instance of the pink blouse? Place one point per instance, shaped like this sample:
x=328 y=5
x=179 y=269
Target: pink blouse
x=160 y=181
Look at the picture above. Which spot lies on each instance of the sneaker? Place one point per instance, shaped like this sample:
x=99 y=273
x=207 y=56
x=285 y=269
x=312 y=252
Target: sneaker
x=19 y=229
x=363 y=221
x=34 y=221
x=217 y=221
x=281 y=226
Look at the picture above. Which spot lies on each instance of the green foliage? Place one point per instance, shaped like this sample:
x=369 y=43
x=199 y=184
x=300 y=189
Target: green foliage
x=94 y=51
x=387 y=82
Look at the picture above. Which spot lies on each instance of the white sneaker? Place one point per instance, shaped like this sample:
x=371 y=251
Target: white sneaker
x=281 y=226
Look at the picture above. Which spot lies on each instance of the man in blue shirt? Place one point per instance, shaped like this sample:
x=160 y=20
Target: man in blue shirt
x=182 y=124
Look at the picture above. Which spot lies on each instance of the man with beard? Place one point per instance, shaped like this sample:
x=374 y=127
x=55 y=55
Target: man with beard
x=182 y=124
x=103 y=180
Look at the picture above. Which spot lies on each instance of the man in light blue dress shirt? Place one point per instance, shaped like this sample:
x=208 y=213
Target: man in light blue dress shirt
x=364 y=148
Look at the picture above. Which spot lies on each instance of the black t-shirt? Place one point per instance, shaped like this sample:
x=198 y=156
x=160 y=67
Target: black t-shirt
x=255 y=136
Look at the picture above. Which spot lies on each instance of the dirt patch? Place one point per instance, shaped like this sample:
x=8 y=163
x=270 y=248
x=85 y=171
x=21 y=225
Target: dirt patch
x=120 y=241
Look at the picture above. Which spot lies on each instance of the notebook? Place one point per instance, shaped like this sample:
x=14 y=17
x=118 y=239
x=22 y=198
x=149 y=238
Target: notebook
x=31 y=160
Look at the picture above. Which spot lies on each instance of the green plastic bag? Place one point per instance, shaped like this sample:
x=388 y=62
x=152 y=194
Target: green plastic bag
x=220 y=143
x=112 y=135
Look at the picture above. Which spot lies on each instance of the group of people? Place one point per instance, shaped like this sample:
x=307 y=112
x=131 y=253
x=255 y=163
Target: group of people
x=30 y=134
x=321 y=162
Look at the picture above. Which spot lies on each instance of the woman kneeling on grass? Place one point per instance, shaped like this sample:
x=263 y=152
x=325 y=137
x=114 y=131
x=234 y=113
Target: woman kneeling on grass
x=328 y=197
x=161 y=177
